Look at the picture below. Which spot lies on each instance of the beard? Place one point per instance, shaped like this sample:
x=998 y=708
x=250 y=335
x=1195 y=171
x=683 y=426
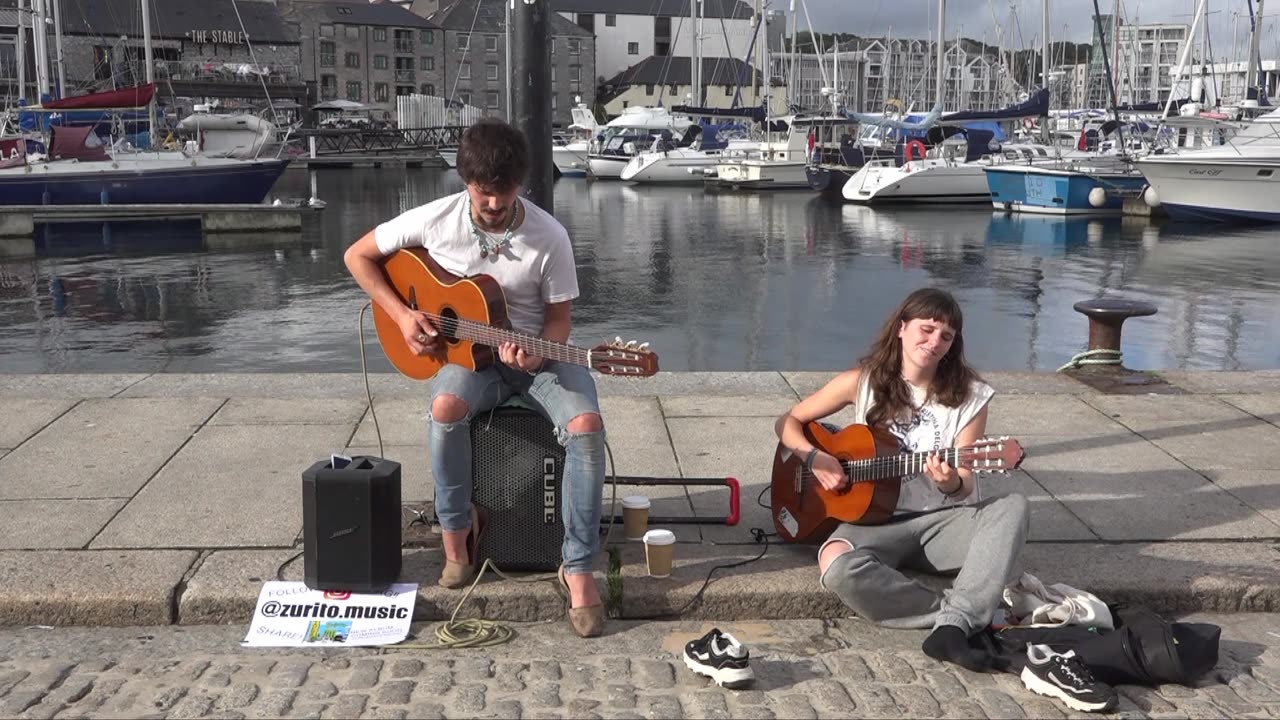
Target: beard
x=494 y=221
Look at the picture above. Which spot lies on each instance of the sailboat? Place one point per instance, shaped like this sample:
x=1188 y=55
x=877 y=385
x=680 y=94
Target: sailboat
x=79 y=169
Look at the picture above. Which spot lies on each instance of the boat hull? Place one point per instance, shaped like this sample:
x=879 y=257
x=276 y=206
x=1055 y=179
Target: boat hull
x=141 y=182
x=1059 y=192
x=878 y=184
x=1226 y=191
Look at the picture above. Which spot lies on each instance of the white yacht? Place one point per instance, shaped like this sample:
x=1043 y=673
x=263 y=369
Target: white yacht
x=773 y=164
x=627 y=134
x=570 y=153
x=951 y=173
x=1237 y=180
x=668 y=164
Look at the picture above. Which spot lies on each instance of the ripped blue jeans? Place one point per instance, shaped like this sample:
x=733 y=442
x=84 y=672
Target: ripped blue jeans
x=561 y=392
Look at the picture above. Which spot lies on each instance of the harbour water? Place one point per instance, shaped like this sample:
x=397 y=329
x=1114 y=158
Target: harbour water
x=713 y=281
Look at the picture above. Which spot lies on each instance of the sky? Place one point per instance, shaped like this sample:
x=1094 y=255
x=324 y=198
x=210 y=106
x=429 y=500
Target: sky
x=1071 y=19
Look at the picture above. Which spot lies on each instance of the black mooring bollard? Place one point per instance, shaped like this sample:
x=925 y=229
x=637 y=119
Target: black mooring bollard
x=1106 y=315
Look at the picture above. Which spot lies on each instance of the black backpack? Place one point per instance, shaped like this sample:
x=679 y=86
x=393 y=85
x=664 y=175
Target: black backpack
x=1144 y=649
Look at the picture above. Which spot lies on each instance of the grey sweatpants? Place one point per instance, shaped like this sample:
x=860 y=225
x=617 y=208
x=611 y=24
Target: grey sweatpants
x=982 y=541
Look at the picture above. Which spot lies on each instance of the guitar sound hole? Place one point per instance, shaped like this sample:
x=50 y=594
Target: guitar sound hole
x=448 y=325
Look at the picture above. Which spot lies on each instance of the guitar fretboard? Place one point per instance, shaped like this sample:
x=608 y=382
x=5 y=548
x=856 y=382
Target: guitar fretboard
x=888 y=466
x=460 y=329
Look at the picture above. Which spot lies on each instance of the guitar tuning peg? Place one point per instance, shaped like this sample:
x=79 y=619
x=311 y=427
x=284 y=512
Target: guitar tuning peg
x=631 y=344
x=643 y=346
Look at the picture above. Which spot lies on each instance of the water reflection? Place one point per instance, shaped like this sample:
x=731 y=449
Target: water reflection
x=714 y=281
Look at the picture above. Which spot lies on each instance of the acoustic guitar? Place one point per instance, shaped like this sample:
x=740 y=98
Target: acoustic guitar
x=471 y=315
x=806 y=512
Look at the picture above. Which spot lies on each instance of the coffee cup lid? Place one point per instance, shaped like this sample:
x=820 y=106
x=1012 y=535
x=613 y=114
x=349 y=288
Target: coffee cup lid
x=660 y=537
x=635 y=502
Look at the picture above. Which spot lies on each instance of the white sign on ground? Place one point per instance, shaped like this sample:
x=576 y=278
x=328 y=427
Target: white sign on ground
x=290 y=614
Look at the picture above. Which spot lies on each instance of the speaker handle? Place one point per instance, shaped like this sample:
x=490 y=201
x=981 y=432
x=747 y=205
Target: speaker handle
x=735 y=510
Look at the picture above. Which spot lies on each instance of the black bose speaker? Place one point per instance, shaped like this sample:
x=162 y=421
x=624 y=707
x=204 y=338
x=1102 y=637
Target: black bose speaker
x=351 y=525
x=517 y=470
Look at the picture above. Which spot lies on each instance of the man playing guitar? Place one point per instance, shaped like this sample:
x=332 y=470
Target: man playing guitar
x=488 y=229
x=915 y=386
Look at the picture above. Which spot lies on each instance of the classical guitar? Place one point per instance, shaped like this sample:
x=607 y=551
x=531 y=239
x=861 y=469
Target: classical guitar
x=471 y=315
x=806 y=512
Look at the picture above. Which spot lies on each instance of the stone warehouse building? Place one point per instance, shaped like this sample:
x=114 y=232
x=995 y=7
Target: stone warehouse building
x=474 y=65
x=237 y=54
x=366 y=53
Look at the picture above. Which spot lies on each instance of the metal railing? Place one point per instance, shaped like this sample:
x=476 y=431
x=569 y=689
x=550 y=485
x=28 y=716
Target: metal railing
x=200 y=71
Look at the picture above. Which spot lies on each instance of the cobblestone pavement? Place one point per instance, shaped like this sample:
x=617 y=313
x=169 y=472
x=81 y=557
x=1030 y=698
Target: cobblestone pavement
x=804 y=668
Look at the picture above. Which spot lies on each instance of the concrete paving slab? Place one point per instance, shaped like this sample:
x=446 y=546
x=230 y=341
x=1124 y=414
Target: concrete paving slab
x=53 y=524
x=1034 y=383
x=225 y=586
x=1259 y=489
x=1050 y=519
x=102 y=448
x=1155 y=505
x=279 y=385
x=231 y=486
x=77 y=587
x=72 y=386
x=641 y=447
x=806 y=382
x=24 y=418
x=725 y=406
x=1116 y=453
x=1057 y=415
x=1252 y=381
x=1166 y=416
x=751 y=384
x=1166 y=577
x=290 y=411
x=727 y=447
x=402 y=421
x=1263 y=406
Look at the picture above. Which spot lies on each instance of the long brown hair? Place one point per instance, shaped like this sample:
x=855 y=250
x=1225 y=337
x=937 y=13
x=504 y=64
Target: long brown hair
x=882 y=366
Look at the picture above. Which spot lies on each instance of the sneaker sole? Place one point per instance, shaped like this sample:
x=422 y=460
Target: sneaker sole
x=732 y=678
x=1040 y=687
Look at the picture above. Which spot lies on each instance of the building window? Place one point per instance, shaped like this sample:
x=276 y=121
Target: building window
x=353 y=32
x=633 y=48
x=575 y=46
x=587 y=21
x=553 y=73
x=328 y=87
x=661 y=48
x=648 y=89
x=428 y=63
x=427 y=37
x=575 y=77
x=328 y=51
x=404 y=42
x=352 y=60
x=464 y=98
x=464 y=71
x=379 y=62
x=464 y=41
x=428 y=89
x=610 y=20
x=379 y=34
x=355 y=92
x=381 y=92
x=491 y=43
x=326 y=31
x=491 y=99
x=491 y=71
x=553 y=102
x=403 y=90
x=404 y=72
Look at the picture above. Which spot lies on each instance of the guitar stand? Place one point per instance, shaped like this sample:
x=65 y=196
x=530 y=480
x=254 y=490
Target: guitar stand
x=730 y=519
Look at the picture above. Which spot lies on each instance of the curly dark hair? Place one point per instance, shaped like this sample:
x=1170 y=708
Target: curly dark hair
x=493 y=155
x=883 y=364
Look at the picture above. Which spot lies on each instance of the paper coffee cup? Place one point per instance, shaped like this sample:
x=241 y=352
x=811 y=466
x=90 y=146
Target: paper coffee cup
x=635 y=516
x=659 y=551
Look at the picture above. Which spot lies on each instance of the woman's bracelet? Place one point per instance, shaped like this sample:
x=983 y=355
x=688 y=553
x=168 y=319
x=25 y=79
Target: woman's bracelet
x=959 y=487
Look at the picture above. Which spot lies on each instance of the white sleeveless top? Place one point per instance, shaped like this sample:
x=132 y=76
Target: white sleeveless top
x=932 y=427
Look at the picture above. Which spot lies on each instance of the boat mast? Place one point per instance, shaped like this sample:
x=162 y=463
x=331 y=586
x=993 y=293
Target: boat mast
x=57 y=39
x=150 y=70
x=1044 y=63
x=22 y=49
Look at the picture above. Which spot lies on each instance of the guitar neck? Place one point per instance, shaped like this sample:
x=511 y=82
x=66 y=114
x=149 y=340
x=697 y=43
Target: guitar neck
x=890 y=466
x=491 y=336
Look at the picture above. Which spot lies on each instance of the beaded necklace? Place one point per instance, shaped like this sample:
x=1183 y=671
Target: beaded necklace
x=487 y=243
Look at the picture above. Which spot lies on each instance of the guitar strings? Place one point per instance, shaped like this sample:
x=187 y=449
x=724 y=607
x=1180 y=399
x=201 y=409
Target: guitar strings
x=891 y=465
x=549 y=349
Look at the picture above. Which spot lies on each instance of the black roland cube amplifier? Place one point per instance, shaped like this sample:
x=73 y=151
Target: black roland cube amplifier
x=517 y=474
x=351 y=525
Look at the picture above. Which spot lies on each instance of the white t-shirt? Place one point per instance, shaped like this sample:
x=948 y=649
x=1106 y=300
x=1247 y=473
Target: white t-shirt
x=535 y=269
x=932 y=427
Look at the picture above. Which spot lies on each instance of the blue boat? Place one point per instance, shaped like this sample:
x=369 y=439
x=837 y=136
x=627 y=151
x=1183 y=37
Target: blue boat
x=204 y=181
x=1063 y=189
